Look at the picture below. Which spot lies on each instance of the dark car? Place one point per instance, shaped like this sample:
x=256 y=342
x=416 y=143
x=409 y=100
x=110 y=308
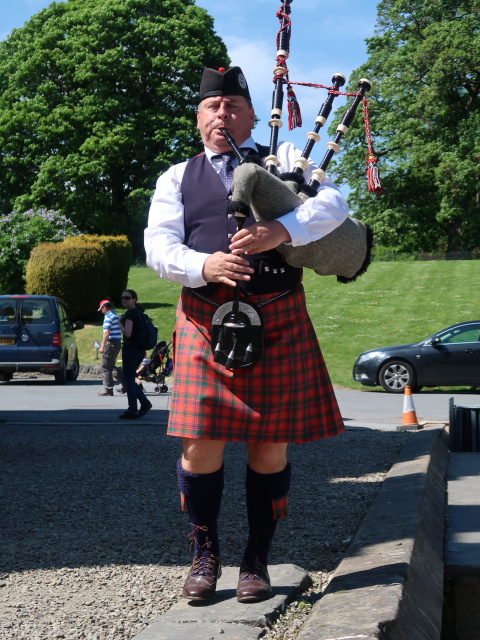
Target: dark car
x=450 y=357
x=37 y=334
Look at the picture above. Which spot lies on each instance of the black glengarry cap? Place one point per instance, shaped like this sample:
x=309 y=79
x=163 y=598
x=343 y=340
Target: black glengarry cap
x=230 y=82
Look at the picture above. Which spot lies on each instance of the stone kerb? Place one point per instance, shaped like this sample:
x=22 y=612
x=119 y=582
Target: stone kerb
x=389 y=585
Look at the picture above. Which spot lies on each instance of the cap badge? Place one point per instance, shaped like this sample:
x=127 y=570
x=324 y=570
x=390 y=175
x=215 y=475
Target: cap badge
x=241 y=80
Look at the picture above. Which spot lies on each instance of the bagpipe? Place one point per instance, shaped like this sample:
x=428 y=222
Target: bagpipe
x=237 y=336
x=344 y=252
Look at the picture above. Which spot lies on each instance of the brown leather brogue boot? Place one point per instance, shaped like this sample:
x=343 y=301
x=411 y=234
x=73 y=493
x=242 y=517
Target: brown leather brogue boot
x=201 y=582
x=253 y=583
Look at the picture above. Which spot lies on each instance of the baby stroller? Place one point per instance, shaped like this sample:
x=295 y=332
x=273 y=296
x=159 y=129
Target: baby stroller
x=157 y=367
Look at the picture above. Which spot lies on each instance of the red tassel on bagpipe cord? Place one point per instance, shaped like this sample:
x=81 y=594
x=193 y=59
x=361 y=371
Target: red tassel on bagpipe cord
x=294 y=115
x=373 y=175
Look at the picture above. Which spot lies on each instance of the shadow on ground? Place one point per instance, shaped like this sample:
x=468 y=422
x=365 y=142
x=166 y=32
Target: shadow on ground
x=83 y=495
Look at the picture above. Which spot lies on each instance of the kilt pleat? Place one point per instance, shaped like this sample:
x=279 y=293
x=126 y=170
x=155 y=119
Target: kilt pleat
x=285 y=397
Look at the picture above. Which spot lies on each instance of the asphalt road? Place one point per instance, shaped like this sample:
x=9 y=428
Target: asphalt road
x=41 y=401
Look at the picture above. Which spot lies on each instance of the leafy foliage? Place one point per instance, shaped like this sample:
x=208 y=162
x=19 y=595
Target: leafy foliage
x=424 y=63
x=119 y=255
x=78 y=273
x=19 y=234
x=97 y=98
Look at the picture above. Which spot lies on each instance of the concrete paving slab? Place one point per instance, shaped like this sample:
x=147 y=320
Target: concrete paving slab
x=462 y=531
x=237 y=621
x=162 y=630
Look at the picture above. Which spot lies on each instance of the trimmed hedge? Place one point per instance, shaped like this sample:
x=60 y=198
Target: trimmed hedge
x=119 y=255
x=76 y=272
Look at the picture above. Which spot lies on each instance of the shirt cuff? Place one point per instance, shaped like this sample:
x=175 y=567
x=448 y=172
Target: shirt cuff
x=194 y=269
x=297 y=230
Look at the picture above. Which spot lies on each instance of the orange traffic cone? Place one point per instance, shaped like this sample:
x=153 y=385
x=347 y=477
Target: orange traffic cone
x=409 y=417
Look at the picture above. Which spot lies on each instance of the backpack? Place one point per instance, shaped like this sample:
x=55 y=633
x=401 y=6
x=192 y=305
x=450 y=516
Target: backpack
x=146 y=336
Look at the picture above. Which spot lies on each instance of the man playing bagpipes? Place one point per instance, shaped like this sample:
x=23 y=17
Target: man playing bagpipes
x=193 y=239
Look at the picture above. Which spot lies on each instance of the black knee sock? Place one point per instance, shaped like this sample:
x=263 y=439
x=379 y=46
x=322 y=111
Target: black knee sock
x=202 y=494
x=266 y=504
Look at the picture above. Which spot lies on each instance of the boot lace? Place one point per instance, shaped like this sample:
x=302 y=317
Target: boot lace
x=204 y=562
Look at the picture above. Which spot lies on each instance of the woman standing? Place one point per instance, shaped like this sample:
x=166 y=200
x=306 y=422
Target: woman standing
x=132 y=356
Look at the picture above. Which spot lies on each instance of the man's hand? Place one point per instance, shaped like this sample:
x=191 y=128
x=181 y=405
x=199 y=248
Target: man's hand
x=261 y=236
x=226 y=268
x=105 y=337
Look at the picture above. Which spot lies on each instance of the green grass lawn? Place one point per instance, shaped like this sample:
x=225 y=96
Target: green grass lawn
x=393 y=303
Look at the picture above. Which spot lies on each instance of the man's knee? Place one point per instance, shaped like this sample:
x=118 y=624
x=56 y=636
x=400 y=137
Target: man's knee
x=267 y=457
x=202 y=456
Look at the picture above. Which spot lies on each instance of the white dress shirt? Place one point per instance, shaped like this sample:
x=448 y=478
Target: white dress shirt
x=166 y=252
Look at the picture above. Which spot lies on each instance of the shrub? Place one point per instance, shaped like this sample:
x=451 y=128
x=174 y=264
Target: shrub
x=119 y=255
x=19 y=234
x=78 y=273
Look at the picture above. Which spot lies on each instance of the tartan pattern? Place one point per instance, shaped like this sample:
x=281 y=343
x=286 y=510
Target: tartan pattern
x=183 y=501
x=280 y=508
x=285 y=397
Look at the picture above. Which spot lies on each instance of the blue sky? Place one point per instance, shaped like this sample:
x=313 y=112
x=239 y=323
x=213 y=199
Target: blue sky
x=328 y=36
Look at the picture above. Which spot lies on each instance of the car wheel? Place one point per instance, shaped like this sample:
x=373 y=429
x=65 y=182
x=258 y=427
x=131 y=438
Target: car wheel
x=396 y=375
x=61 y=375
x=72 y=373
x=5 y=376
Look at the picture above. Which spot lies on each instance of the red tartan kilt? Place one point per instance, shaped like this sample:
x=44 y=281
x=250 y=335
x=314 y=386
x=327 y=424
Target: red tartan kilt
x=285 y=397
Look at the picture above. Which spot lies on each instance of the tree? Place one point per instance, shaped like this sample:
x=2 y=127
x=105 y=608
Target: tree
x=424 y=63
x=20 y=232
x=97 y=98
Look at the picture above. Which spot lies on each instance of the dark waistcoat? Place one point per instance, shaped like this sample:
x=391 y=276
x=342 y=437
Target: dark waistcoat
x=209 y=228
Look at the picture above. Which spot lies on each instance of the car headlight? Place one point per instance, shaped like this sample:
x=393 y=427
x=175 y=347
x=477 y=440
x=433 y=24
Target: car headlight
x=368 y=356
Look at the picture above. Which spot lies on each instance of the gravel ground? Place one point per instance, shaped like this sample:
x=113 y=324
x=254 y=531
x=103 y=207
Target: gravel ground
x=94 y=543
